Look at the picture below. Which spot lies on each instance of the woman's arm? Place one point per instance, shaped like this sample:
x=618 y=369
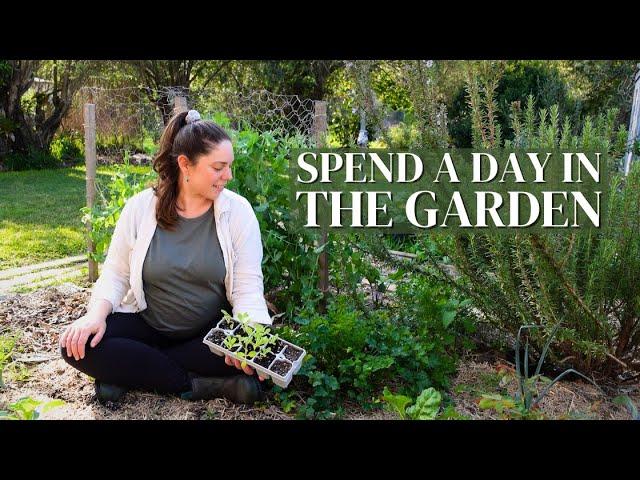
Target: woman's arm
x=248 y=287
x=113 y=283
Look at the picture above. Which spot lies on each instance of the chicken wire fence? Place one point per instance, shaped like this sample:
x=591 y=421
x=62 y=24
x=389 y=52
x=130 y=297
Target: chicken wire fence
x=129 y=121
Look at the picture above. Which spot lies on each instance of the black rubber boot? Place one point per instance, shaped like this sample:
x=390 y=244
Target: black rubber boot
x=241 y=388
x=107 y=392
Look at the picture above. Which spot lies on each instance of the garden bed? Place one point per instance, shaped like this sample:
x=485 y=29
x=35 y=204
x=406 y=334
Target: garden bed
x=40 y=373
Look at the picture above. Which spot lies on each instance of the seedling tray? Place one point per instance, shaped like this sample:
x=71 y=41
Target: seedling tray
x=284 y=353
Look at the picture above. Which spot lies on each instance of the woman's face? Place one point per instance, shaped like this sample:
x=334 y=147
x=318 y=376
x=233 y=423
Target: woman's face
x=212 y=172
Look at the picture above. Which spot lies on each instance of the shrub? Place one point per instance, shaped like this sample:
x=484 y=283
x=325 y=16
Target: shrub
x=587 y=281
x=64 y=150
x=403 y=135
x=518 y=81
x=34 y=159
x=118 y=143
x=68 y=149
x=355 y=352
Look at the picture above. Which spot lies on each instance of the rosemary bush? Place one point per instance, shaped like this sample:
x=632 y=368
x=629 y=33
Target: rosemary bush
x=585 y=282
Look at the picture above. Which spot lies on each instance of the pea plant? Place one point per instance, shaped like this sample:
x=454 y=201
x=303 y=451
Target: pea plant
x=254 y=341
x=103 y=216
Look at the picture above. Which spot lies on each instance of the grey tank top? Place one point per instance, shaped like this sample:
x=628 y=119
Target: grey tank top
x=183 y=278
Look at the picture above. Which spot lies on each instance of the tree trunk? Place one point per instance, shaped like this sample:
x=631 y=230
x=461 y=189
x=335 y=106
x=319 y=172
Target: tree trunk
x=20 y=80
x=36 y=132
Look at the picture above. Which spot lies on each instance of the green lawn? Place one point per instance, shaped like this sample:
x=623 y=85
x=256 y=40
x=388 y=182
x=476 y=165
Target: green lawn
x=40 y=216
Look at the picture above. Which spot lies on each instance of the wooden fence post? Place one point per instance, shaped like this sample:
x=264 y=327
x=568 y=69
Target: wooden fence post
x=319 y=134
x=319 y=128
x=90 y=159
x=179 y=104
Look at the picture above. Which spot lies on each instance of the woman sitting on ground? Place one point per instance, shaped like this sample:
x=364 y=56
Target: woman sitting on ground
x=181 y=252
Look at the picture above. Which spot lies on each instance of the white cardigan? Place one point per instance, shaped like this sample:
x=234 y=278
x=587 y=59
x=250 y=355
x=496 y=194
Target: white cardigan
x=238 y=232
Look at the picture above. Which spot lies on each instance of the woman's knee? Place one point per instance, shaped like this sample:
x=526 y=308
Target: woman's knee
x=67 y=358
x=70 y=359
x=65 y=355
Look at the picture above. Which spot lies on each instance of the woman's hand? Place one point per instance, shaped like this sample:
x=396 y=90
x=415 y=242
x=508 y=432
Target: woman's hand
x=238 y=364
x=76 y=335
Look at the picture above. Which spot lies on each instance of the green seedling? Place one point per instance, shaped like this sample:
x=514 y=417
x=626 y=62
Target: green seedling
x=230 y=342
x=255 y=340
x=28 y=408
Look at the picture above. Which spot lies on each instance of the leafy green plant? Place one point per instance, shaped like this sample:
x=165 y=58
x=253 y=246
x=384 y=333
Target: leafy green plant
x=343 y=112
x=290 y=261
x=7 y=345
x=33 y=159
x=403 y=135
x=398 y=403
x=508 y=407
x=18 y=372
x=231 y=342
x=285 y=398
x=255 y=341
x=115 y=143
x=354 y=352
x=67 y=149
x=150 y=140
x=426 y=406
x=428 y=115
x=28 y=408
x=450 y=413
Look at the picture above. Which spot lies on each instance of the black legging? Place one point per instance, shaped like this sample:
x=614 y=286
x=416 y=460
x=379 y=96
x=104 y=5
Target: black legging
x=135 y=355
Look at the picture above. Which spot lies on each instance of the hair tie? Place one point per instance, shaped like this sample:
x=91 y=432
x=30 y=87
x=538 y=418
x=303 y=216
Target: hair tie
x=192 y=116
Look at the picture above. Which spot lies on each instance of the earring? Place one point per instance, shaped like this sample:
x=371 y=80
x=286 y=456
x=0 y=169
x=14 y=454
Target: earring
x=187 y=179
